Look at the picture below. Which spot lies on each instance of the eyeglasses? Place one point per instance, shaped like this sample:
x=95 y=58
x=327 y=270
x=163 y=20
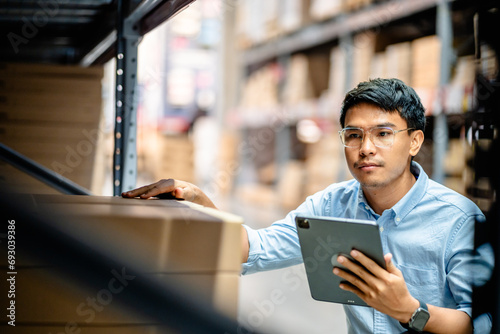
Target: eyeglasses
x=380 y=136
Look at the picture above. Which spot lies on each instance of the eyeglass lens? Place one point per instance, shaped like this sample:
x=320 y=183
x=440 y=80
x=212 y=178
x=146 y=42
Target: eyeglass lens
x=380 y=136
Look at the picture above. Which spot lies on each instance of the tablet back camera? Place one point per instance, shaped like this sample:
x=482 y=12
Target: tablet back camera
x=303 y=223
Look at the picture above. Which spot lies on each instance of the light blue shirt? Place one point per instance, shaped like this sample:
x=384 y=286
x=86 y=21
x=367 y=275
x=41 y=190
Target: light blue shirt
x=430 y=233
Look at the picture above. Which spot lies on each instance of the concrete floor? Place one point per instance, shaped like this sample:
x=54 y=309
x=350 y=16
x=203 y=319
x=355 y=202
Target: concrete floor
x=279 y=302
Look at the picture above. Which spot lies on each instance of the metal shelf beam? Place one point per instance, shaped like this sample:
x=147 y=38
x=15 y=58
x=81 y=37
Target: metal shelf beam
x=342 y=25
x=444 y=27
x=40 y=172
x=147 y=16
x=129 y=32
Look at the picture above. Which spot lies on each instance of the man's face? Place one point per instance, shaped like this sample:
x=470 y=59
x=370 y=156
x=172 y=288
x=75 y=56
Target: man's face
x=376 y=166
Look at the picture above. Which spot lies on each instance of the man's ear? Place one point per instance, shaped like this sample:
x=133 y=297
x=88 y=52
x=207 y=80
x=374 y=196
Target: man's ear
x=417 y=139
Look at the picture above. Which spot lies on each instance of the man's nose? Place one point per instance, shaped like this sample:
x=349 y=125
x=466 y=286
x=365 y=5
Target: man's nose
x=367 y=146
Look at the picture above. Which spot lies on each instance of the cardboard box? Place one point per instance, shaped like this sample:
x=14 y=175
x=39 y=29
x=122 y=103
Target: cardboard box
x=44 y=297
x=426 y=53
x=455 y=183
x=40 y=99
x=324 y=9
x=80 y=329
x=293 y=14
x=454 y=161
x=69 y=151
x=175 y=159
x=47 y=132
x=363 y=53
x=196 y=249
x=307 y=77
x=324 y=163
x=257 y=194
x=228 y=164
x=398 y=59
x=261 y=88
x=351 y=5
x=52 y=115
x=22 y=69
x=378 y=66
x=337 y=79
x=297 y=87
x=19 y=182
x=49 y=85
x=291 y=185
x=166 y=236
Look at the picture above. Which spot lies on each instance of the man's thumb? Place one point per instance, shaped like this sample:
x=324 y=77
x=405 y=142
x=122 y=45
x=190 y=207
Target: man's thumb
x=178 y=193
x=388 y=261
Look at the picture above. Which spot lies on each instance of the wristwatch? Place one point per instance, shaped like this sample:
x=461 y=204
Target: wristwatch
x=419 y=318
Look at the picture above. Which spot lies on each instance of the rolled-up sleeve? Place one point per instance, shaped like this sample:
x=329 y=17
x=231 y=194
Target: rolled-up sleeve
x=272 y=248
x=468 y=268
x=277 y=246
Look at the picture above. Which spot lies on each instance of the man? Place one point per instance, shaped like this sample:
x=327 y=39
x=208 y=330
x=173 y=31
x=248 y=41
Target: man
x=426 y=229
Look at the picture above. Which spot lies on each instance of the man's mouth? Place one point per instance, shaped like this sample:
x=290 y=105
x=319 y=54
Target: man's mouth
x=367 y=166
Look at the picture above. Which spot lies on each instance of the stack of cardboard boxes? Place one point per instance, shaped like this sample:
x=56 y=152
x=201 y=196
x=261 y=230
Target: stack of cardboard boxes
x=324 y=9
x=262 y=21
x=261 y=88
x=51 y=114
x=194 y=249
x=398 y=59
x=174 y=158
x=416 y=63
x=363 y=52
x=425 y=62
x=325 y=163
x=307 y=77
x=351 y=5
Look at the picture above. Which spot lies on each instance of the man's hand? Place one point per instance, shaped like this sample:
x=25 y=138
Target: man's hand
x=177 y=189
x=384 y=290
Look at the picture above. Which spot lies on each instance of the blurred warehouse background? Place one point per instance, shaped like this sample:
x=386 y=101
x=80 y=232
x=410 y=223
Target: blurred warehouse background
x=242 y=98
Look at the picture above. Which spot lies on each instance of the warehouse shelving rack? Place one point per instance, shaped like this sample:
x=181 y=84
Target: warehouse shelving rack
x=482 y=119
x=91 y=32
x=341 y=28
x=86 y=33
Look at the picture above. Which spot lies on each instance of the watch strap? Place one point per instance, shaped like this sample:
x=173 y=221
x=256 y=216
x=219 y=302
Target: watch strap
x=407 y=325
x=423 y=305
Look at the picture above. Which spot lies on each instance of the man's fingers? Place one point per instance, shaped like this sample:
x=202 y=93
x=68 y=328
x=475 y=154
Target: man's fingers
x=160 y=187
x=170 y=188
x=390 y=265
x=368 y=263
x=349 y=287
x=351 y=274
x=151 y=192
x=184 y=193
x=136 y=192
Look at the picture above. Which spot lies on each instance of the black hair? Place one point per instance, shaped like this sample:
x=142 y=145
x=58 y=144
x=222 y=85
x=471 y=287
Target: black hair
x=391 y=95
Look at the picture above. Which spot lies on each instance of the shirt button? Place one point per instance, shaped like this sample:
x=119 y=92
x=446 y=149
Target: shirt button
x=381 y=229
x=398 y=219
x=367 y=207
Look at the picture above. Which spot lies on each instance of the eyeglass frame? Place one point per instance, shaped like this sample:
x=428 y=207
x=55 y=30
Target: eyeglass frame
x=369 y=132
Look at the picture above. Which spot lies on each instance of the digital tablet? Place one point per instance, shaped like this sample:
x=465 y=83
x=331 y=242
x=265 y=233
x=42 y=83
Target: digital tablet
x=322 y=239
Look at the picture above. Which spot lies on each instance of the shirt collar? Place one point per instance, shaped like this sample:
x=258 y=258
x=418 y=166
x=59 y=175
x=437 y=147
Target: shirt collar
x=364 y=203
x=402 y=208
x=412 y=197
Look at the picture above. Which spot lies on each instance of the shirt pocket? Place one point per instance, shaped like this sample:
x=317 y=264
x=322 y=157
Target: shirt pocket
x=422 y=283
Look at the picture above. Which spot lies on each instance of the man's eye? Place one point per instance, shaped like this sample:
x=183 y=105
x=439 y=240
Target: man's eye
x=353 y=135
x=384 y=133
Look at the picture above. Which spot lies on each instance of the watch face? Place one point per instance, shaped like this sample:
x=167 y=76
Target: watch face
x=419 y=320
